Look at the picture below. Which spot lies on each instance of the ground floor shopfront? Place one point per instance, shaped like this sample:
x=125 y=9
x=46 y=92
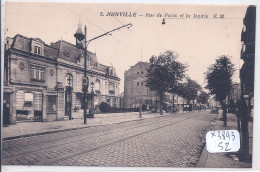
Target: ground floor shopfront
x=40 y=104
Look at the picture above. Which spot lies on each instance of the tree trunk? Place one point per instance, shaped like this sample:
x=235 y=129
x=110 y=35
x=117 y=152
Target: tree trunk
x=140 y=114
x=160 y=103
x=223 y=106
x=172 y=103
x=156 y=106
x=244 y=130
x=193 y=108
x=183 y=105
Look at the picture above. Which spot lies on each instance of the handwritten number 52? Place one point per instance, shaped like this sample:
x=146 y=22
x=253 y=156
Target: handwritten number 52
x=221 y=147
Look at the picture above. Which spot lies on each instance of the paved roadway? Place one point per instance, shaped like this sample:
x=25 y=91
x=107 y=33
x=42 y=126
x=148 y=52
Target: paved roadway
x=166 y=141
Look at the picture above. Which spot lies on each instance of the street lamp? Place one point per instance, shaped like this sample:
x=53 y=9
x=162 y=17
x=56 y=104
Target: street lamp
x=69 y=89
x=85 y=80
x=92 y=96
x=163 y=22
x=92 y=86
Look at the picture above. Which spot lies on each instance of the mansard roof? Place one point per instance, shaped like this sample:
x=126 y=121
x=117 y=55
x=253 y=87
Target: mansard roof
x=68 y=51
x=23 y=43
x=60 y=49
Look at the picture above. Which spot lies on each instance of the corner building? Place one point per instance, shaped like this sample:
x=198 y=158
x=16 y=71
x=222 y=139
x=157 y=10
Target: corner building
x=135 y=89
x=37 y=76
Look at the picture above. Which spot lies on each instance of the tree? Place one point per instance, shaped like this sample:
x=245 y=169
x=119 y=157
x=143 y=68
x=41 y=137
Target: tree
x=165 y=73
x=203 y=97
x=104 y=107
x=189 y=90
x=219 y=77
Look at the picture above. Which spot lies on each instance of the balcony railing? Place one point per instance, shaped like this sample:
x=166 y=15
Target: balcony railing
x=37 y=80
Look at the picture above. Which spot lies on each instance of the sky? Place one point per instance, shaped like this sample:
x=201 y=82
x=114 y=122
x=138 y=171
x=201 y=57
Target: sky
x=198 y=41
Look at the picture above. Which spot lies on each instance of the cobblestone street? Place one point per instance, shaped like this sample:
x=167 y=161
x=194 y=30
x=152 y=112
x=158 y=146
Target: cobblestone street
x=166 y=141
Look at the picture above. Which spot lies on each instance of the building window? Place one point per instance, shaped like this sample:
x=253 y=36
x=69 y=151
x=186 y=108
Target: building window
x=51 y=106
x=97 y=86
x=37 y=74
x=112 y=88
x=37 y=49
x=142 y=83
x=111 y=71
x=137 y=83
x=142 y=72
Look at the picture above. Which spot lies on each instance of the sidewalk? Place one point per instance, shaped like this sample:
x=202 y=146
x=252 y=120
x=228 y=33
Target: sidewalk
x=23 y=129
x=221 y=160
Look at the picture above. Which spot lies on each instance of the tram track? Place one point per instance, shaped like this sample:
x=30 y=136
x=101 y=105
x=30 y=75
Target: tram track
x=31 y=146
x=92 y=139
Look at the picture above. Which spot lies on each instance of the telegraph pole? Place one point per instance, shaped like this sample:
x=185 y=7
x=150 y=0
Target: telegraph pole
x=85 y=80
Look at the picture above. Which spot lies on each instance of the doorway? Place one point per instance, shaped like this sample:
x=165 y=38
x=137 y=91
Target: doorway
x=6 y=109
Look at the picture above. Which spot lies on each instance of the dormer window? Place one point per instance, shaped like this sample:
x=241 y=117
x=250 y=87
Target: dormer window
x=37 y=49
x=111 y=72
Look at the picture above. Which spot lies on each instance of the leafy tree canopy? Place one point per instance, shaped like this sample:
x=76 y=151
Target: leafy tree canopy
x=219 y=77
x=165 y=72
x=189 y=89
x=203 y=97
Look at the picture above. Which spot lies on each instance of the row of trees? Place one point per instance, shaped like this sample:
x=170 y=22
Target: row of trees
x=219 y=79
x=167 y=74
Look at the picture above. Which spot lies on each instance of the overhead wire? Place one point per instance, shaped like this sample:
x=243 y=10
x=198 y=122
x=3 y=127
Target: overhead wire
x=80 y=16
x=118 y=20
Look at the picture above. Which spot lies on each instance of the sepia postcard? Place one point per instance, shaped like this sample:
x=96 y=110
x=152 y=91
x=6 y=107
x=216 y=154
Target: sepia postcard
x=128 y=85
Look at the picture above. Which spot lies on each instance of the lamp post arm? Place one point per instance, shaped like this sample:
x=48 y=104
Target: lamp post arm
x=85 y=66
x=105 y=34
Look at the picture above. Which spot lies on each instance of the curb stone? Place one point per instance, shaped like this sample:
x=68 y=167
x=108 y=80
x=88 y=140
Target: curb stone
x=204 y=155
x=71 y=129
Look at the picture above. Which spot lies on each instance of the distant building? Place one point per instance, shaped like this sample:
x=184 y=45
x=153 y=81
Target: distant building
x=135 y=90
x=37 y=76
x=213 y=102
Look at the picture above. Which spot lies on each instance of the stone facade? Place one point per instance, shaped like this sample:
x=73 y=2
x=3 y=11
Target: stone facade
x=135 y=89
x=36 y=79
x=134 y=86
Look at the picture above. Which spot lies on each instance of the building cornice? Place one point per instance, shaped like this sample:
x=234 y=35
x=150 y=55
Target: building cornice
x=59 y=62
